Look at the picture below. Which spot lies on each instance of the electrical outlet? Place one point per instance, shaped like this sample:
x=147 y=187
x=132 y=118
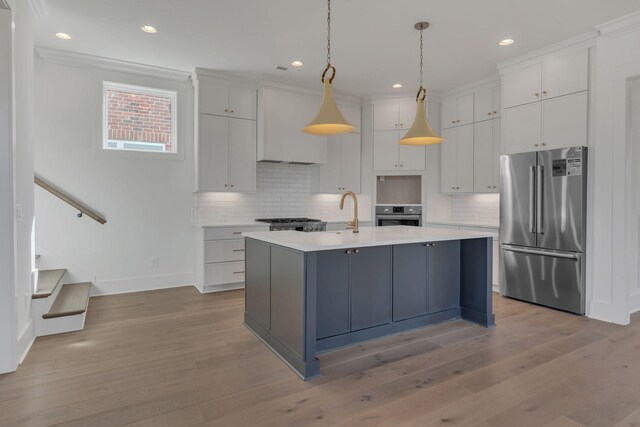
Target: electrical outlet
x=155 y=262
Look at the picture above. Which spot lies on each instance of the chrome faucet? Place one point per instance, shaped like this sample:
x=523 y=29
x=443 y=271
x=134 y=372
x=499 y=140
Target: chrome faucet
x=353 y=224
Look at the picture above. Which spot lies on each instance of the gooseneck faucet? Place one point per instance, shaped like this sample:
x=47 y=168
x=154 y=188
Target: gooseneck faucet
x=353 y=224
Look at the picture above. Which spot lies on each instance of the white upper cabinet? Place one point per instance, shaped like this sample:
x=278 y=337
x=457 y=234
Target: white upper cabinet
x=343 y=168
x=242 y=155
x=406 y=114
x=386 y=115
x=411 y=157
x=564 y=121
x=457 y=110
x=282 y=113
x=486 y=159
x=457 y=160
x=558 y=75
x=522 y=86
x=219 y=97
x=522 y=128
x=389 y=154
x=486 y=104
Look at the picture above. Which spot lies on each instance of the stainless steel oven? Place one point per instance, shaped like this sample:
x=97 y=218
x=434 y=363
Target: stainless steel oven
x=399 y=215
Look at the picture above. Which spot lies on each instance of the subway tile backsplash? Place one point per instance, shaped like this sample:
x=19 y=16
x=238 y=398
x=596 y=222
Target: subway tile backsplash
x=283 y=191
x=481 y=209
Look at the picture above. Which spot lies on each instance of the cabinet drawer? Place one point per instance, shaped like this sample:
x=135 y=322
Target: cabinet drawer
x=220 y=233
x=224 y=272
x=224 y=250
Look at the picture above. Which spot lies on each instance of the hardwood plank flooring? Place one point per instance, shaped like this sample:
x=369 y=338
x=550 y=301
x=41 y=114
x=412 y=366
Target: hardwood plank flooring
x=178 y=358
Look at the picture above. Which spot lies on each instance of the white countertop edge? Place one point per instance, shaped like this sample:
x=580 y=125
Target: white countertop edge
x=368 y=237
x=463 y=224
x=258 y=224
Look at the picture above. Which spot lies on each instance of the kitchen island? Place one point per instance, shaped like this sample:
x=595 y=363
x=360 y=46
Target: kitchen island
x=307 y=293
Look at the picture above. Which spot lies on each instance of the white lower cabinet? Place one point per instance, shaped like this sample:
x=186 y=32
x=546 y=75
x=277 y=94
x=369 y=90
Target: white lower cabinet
x=457 y=160
x=343 y=168
x=221 y=257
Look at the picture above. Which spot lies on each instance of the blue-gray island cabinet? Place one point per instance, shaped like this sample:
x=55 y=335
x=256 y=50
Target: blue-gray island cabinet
x=307 y=293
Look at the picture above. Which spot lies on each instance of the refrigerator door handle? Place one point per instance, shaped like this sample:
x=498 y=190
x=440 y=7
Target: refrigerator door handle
x=532 y=191
x=539 y=252
x=540 y=200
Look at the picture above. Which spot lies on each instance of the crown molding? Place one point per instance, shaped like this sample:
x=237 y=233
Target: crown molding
x=582 y=41
x=482 y=84
x=65 y=57
x=268 y=81
x=620 y=26
x=38 y=8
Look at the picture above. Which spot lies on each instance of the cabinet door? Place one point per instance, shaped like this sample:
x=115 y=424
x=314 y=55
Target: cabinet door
x=497 y=144
x=407 y=113
x=465 y=159
x=409 y=281
x=522 y=86
x=242 y=102
x=411 y=157
x=370 y=278
x=465 y=109
x=385 y=150
x=350 y=162
x=385 y=116
x=497 y=101
x=448 y=160
x=449 y=112
x=332 y=294
x=213 y=96
x=213 y=155
x=353 y=114
x=325 y=178
x=242 y=155
x=566 y=74
x=443 y=276
x=483 y=161
x=483 y=105
x=522 y=128
x=565 y=121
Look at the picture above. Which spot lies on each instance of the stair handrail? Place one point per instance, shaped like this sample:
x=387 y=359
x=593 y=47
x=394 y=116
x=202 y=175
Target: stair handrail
x=83 y=210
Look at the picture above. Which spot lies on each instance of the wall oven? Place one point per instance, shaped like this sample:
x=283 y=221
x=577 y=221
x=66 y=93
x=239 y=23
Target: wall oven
x=399 y=215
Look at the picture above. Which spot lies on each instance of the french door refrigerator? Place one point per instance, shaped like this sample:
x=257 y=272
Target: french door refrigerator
x=543 y=227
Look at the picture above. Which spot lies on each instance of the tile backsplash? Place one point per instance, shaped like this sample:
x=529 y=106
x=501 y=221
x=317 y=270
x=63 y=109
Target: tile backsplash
x=283 y=191
x=481 y=209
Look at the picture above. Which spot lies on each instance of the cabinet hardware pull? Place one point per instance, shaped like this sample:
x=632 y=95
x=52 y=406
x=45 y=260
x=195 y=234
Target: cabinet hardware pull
x=238 y=272
x=489 y=113
x=238 y=250
x=232 y=111
x=237 y=232
x=535 y=145
x=226 y=185
x=544 y=92
x=453 y=121
x=495 y=112
x=396 y=165
x=543 y=144
x=433 y=244
x=536 y=94
x=357 y=251
x=401 y=125
x=232 y=185
x=226 y=110
x=347 y=251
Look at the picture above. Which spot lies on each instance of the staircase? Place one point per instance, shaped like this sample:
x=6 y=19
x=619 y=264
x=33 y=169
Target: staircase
x=59 y=307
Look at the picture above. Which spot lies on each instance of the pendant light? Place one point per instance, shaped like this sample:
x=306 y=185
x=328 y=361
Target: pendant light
x=329 y=120
x=420 y=132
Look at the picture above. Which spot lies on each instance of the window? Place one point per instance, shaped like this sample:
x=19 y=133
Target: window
x=138 y=119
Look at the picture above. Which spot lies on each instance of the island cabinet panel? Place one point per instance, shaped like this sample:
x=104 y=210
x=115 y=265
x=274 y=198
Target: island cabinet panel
x=370 y=278
x=287 y=297
x=409 y=281
x=258 y=282
x=443 y=276
x=332 y=293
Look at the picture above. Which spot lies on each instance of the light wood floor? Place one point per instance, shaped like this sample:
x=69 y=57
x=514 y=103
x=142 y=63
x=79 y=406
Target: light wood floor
x=178 y=358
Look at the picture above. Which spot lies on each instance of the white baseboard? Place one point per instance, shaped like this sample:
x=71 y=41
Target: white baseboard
x=608 y=313
x=139 y=284
x=634 y=303
x=25 y=341
x=221 y=288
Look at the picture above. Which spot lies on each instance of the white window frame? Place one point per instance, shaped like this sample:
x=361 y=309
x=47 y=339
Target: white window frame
x=143 y=90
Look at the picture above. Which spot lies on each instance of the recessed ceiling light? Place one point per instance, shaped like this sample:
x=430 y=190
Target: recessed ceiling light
x=63 y=36
x=397 y=86
x=297 y=63
x=149 y=29
x=506 y=42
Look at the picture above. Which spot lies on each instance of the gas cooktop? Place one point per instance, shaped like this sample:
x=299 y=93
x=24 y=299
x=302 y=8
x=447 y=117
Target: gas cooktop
x=297 y=224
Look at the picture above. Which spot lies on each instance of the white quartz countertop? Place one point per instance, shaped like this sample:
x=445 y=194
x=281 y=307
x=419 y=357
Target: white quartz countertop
x=368 y=236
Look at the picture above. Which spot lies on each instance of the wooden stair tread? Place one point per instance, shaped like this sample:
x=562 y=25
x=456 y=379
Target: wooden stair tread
x=72 y=300
x=48 y=280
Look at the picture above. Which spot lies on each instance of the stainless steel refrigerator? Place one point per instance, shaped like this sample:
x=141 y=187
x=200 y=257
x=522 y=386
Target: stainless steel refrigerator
x=543 y=227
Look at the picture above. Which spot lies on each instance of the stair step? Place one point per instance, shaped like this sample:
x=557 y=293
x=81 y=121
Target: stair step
x=48 y=280
x=72 y=300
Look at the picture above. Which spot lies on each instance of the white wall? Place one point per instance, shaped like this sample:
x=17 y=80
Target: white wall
x=7 y=309
x=146 y=200
x=618 y=61
x=634 y=220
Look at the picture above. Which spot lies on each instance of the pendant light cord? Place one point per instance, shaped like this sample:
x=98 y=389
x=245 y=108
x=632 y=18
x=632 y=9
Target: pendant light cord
x=328 y=32
x=421 y=72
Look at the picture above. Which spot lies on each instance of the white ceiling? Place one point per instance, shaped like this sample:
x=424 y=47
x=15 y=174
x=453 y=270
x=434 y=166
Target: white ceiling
x=373 y=41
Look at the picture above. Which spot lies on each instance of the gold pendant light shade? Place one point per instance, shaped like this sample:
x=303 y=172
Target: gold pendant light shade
x=329 y=120
x=421 y=132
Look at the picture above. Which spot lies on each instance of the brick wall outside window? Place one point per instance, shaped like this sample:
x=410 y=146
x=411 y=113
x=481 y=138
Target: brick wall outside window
x=139 y=117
